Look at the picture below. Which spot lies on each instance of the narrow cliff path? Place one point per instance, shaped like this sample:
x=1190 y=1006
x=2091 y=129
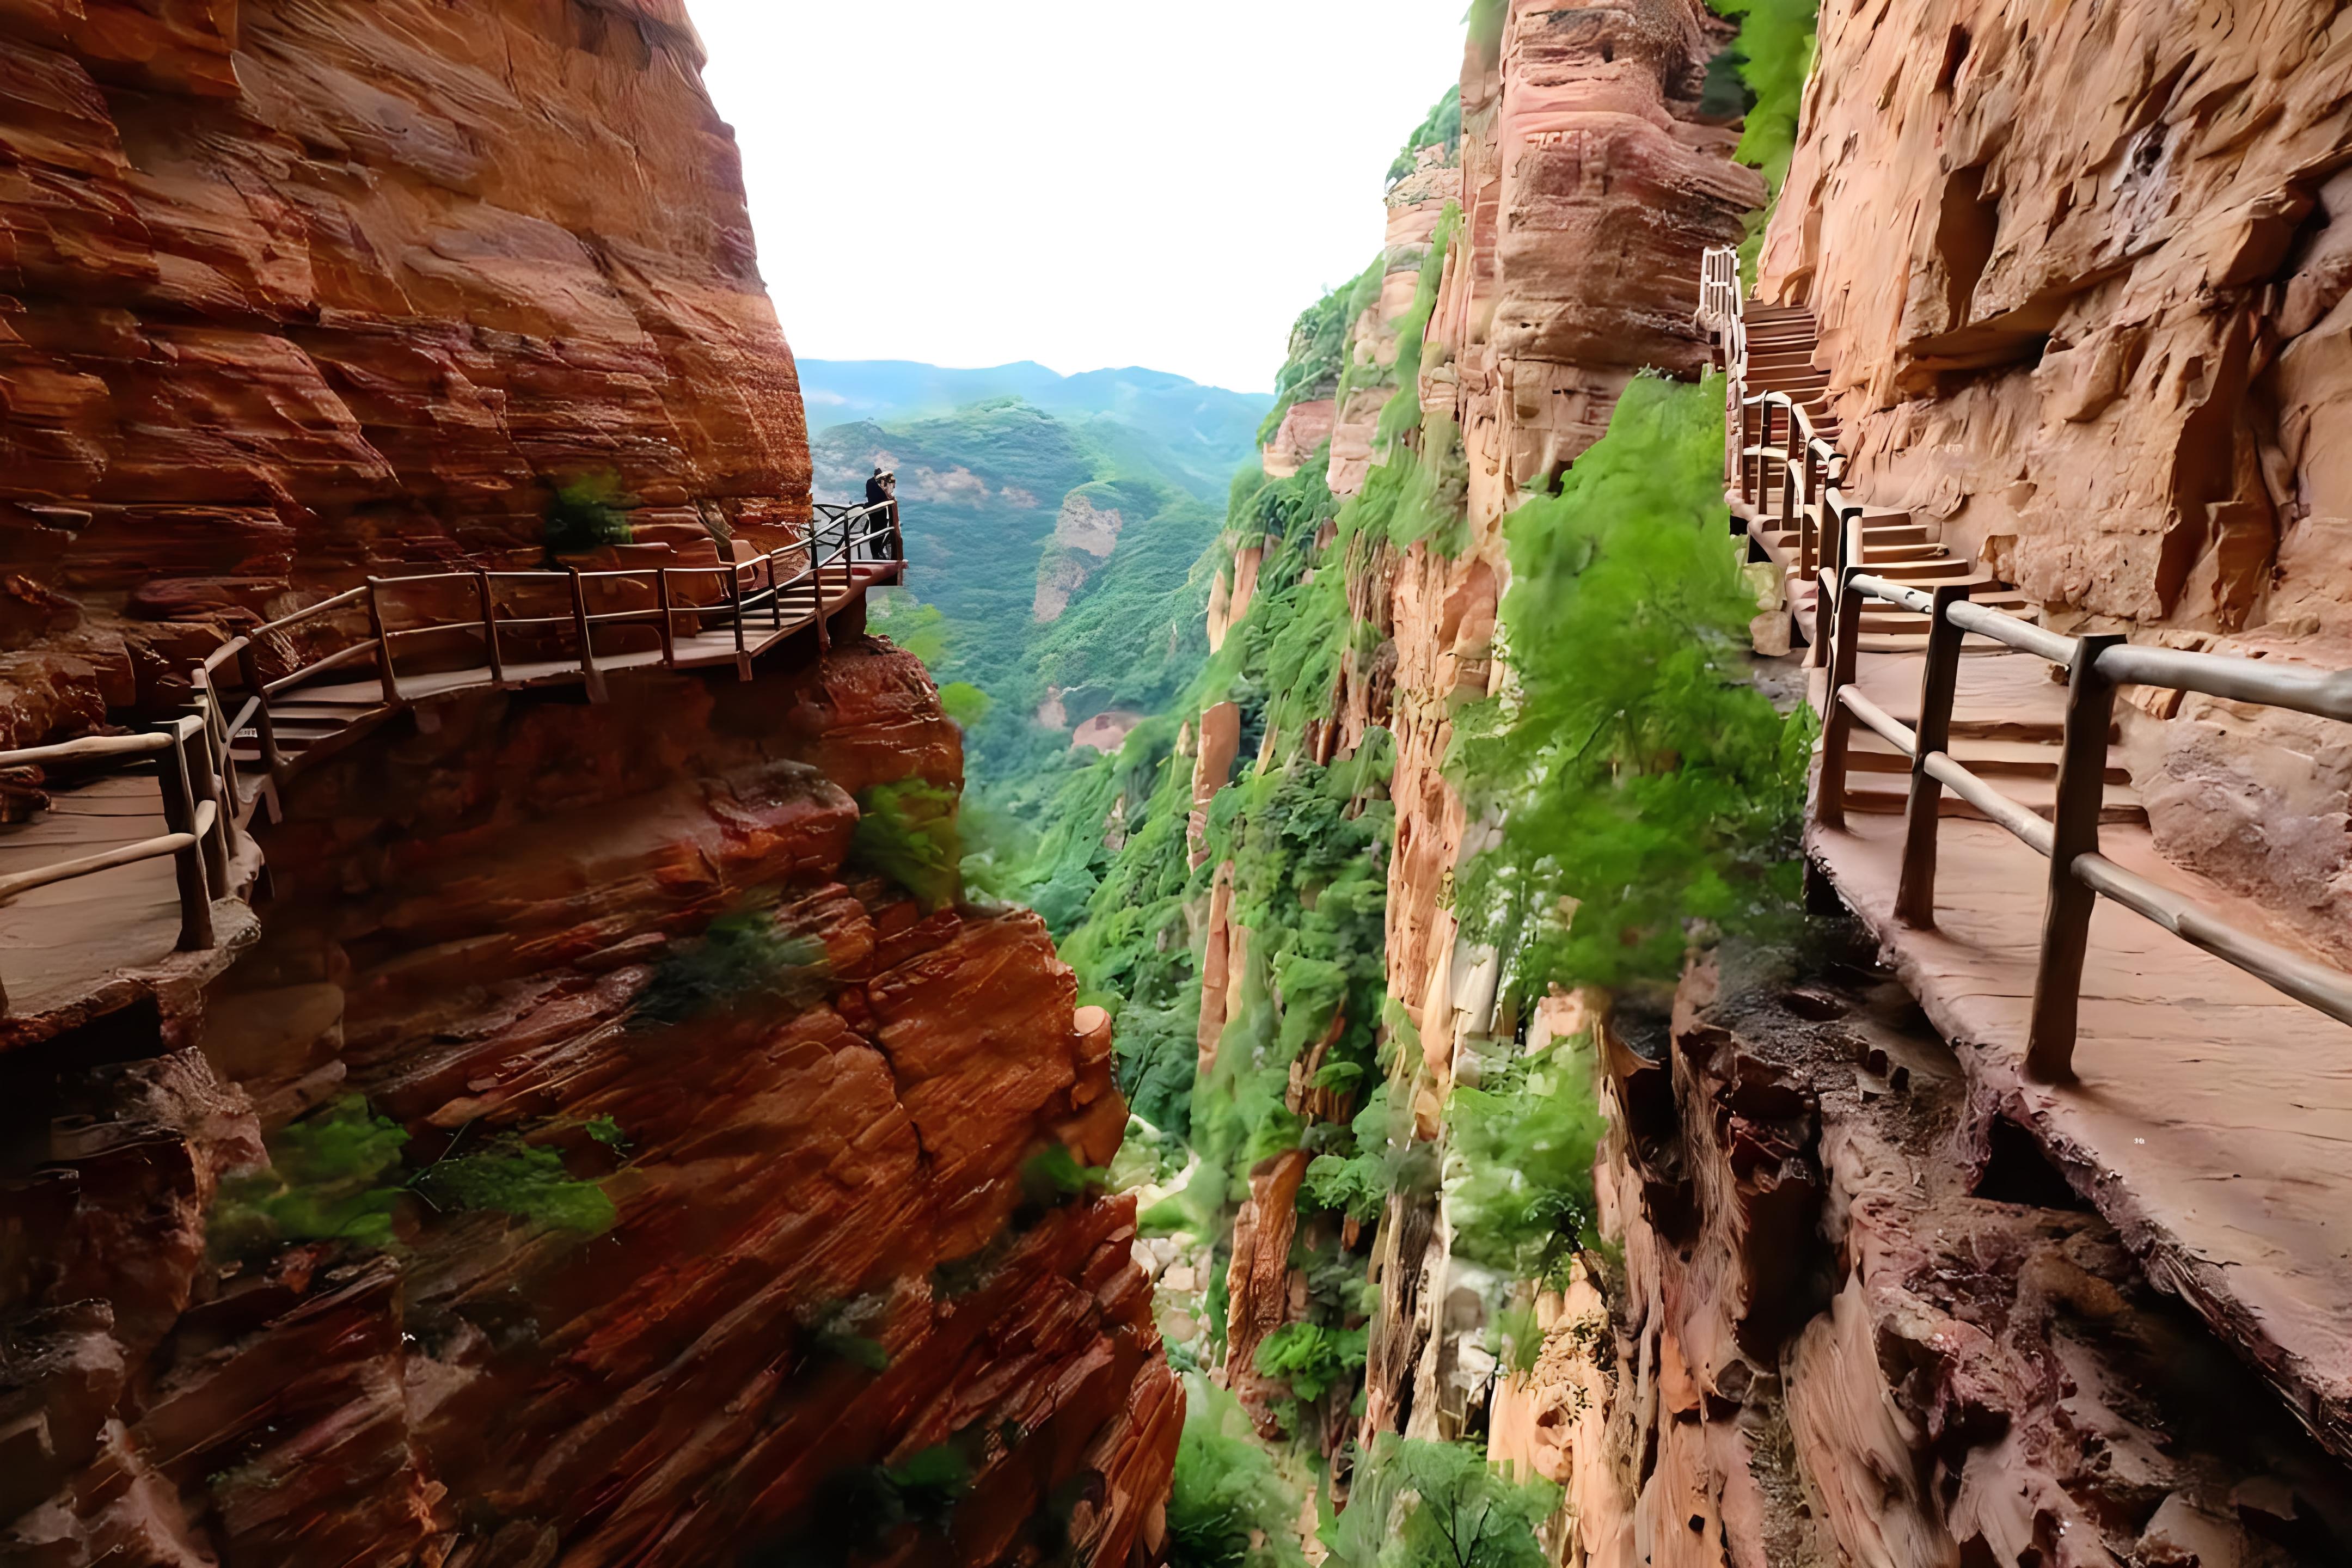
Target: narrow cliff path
x=2211 y=1115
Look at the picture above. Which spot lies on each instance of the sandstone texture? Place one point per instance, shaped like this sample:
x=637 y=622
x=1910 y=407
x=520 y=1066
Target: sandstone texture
x=1860 y=1321
x=829 y=1259
x=300 y=291
x=1084 y=537
x=2081 y=281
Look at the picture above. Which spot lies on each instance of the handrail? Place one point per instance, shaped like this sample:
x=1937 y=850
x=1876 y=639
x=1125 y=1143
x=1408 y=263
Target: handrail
x=2079 y=874
x=1773 y=428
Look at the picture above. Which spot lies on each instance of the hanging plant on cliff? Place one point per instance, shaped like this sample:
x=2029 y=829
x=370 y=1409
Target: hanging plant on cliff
x=909 y=832
x=1642 y=783
x=586 y=512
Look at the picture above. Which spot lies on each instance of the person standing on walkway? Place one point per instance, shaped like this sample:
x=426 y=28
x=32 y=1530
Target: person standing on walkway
x=882 y=490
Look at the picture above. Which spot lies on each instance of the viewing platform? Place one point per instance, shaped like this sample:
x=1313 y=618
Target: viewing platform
x=136 y=866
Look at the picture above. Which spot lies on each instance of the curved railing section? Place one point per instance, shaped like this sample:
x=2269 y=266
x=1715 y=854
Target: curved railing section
x=476 y=629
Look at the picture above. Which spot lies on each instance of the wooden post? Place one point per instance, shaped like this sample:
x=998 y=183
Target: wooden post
x=490 y=627
x=248 y=665
x=1819 y=655
x=383 y=667
x=668 y=624
x=180 y=816
x=1915 y=897
x=194 y=747
x=735 y=594
x=1837 y=724
x=2066 y=918
x=586 y=634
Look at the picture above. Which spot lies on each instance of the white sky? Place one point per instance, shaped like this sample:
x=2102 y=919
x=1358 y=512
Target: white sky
x=1088 y=183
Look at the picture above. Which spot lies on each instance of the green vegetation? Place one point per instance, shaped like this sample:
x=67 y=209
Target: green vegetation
x=1319 y=347
x=1438 y=1505
x=1228 y=1508
x=1314 y=1359
x=1441 y=128
x=1774 y=53
x=326 y=1182
x=1648 y=793
x=740 y=961
x=1523 y=1144
x=512 y=1177
x=586 y=511
x=337 y=1175
x=907 y=831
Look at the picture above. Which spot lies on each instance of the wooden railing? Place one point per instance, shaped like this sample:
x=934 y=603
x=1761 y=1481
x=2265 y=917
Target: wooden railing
x=1775 y=455
x=207 y=807
x=2079 y=873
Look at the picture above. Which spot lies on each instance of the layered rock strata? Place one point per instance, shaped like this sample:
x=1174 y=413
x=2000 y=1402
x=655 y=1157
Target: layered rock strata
x=838 y=1297
x=1861 y=1320
x=301 y=291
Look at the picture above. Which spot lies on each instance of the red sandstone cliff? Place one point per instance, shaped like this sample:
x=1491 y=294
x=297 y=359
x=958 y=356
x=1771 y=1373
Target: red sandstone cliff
x=302 y=289
x=803 y=1264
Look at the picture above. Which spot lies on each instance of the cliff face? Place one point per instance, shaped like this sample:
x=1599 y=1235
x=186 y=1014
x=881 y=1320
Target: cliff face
x=304 y=289
x=620 y=1143
x=2081 y=288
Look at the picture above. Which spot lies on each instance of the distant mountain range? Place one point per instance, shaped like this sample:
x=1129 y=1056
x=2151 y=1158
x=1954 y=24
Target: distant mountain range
x=1202 y=433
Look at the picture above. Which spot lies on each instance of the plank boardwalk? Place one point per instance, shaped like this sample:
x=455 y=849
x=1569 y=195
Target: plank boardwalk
x=57 y=942
x=64 y=945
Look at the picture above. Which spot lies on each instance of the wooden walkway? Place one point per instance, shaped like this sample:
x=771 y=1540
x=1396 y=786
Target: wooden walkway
x=2210 y=1117
x=57 y=942
x=66 y=948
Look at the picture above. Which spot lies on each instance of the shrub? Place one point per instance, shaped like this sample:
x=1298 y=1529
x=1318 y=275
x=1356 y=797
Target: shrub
x=1227 y=1508
x=1438 y=1505
x=1311 y=1358
x=907 y=831
x=586 y=512
x=1647 y=791
x=1521 y=1151
x=326 y=1182
x=512 y=1178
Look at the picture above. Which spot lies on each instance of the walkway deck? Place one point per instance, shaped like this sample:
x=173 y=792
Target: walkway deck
x=64 y=947
x=2212 y=1122
x=57 y=942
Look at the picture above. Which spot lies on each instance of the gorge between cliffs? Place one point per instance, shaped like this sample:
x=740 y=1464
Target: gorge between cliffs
x=583 y=989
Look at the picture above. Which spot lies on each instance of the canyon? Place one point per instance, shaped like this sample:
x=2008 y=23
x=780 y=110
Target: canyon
x=606 y=1138
x=1459 y=1060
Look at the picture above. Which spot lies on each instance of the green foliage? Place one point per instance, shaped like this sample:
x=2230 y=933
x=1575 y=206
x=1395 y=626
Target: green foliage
x=741 y=962
x=1521 y=1156
x=1312 y=1358
x=1319 y=346
x=327 y=1180
x=1438 y=1505
x=837 y=1330
x=1227 y=1507
x=1514 y=1339
x=921 y=629
x=965 y=704
x=907 y=831
x=1380 y=1157
x=1441 y=128
x=1053 y=1175
x=584 y=512
x=1648 y=793
x=1775 y=49
x=607 y=1131
x=512 y=1177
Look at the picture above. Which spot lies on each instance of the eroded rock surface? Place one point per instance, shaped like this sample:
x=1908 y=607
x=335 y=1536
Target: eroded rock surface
x=1862 y=1320
x=300 y=290
x=832 y=1245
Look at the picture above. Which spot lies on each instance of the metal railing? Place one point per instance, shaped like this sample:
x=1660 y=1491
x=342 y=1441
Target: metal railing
x=206 y=806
